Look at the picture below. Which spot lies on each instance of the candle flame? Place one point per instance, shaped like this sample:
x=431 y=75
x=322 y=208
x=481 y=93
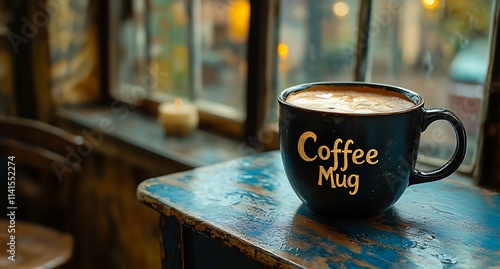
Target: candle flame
x=178 y=102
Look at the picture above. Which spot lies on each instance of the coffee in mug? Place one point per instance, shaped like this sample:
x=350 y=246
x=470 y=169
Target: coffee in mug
x=349 y=149
x=350 y=100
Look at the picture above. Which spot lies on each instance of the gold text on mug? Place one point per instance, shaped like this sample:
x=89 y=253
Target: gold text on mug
x=357 y=157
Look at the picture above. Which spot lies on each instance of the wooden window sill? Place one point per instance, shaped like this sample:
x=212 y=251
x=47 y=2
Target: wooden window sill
x=130 y=134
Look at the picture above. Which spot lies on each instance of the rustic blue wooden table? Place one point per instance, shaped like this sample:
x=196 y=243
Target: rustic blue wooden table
x=244 y=214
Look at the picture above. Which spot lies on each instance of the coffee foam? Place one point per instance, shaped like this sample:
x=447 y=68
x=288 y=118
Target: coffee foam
x=349 y=100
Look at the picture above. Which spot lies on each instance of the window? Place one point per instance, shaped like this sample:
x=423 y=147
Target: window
x=221 y=52
x=317 y=41
x=205 y=50
x=437 y=48
x=441 y=50
x=197 y=51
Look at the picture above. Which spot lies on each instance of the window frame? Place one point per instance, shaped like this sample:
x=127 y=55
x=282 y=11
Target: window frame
x=487 y=169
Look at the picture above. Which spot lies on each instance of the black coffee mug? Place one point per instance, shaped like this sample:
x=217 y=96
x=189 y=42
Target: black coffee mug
x=353 y=165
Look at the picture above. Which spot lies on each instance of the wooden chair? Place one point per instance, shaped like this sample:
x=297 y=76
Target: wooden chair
x=46 y=161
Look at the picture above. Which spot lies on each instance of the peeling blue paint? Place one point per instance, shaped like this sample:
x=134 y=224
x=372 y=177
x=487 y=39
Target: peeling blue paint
x=249 y=204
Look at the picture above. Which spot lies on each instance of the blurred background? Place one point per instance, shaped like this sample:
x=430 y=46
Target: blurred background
x=84 y=64
x=437 y=48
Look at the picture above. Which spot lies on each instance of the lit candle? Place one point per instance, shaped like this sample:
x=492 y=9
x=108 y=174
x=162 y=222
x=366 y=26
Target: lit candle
x=178 y=118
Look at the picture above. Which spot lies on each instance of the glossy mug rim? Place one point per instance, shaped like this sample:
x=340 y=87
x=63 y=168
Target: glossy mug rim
x=414 y=97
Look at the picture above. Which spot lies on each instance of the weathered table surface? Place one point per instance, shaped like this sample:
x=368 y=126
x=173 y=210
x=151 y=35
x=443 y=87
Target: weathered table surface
x=248 y=205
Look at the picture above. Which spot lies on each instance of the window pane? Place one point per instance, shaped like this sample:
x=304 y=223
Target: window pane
x=317 y=41
x=221 y=50
x=193 y=49
x=152 y=50
x=441 y=50
x=169 y=49
x=132 y=44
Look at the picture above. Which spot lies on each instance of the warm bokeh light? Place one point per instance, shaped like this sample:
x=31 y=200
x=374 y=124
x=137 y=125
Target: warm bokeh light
x=283 y=51
x=178 y=102
x=340 y=9
x=239 y=14
x=430 y=4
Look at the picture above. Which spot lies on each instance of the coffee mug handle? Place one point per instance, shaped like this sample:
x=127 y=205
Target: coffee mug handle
x=431 y=115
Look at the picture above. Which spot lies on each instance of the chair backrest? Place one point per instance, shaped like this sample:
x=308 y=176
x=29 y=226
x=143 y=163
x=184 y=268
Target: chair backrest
x=44 y=168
